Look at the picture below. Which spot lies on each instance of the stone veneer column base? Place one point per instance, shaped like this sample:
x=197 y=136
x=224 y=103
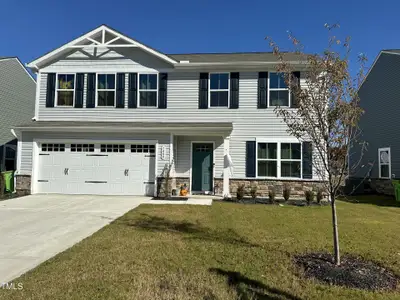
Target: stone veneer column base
x=23 y=185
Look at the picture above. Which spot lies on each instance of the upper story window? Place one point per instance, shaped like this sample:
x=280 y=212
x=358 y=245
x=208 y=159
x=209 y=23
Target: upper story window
x=65 y=90
x=148 y=90
x=278 y=91
x=106 y=90
x=219 y=89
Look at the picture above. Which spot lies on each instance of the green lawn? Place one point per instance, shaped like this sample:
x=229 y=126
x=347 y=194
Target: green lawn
x=226 y=251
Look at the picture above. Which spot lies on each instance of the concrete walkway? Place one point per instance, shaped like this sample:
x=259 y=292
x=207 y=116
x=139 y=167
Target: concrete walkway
x=37 y=227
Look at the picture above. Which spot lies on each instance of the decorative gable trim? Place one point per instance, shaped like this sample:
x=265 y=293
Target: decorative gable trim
x=97 y=38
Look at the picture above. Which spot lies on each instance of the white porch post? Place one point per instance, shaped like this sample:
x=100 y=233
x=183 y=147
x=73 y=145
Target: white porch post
x=226 y=175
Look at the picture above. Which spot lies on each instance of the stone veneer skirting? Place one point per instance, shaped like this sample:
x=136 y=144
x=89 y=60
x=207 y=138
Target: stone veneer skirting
x=23 y=185
x=382 y=186
x=263 y=185
x=359 y=186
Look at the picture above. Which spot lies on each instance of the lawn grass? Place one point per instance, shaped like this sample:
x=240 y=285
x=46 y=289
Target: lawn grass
x=226 y=251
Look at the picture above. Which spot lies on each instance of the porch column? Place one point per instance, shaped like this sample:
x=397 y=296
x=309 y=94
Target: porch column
x=226 y=175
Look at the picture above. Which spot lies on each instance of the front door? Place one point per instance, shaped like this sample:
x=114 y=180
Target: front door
x=202 y=167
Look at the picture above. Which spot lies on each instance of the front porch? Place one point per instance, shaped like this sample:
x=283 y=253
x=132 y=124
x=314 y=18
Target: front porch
x=199 y=163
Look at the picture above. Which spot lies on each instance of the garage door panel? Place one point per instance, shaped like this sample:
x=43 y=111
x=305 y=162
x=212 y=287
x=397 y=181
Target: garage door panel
x=118 y=170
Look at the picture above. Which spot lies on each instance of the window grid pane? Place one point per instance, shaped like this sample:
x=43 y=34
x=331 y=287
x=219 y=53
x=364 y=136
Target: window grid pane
x=66 y=81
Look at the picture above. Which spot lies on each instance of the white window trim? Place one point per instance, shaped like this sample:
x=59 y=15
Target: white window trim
x=65 y=90
x=279 y=160
x=219 y=90
x=389 y=164
x=106 y=90
x=147 y=90
x=276 y=89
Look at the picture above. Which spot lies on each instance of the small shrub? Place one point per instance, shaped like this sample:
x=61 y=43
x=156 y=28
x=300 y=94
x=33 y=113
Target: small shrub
x=240 y=192
x=286 y=192
x=309 y=197
x=272 y=195
x=320 y=195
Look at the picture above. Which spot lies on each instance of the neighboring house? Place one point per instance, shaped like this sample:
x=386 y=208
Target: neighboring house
x=111 y=113
x=17 y=102
x=379 y=95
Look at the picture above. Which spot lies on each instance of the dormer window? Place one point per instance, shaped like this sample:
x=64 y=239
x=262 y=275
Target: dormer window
x=106 y=90
x=65 y=90
x=148 y=90
x=219 y=89
x=278 y=90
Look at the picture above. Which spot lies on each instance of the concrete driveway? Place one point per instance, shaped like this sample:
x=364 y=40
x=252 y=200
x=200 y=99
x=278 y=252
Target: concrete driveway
x=35 y=228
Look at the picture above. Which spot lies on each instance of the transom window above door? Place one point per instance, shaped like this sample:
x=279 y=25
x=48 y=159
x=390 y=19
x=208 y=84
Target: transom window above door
x=148 y=90
x=65 y=89
x=105 y=89
x=219 y=89
x=278 y=91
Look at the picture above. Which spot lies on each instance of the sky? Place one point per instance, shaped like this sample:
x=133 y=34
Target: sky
x=30 y=28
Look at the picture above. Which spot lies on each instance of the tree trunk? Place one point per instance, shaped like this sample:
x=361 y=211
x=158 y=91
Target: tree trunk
x=335 y=231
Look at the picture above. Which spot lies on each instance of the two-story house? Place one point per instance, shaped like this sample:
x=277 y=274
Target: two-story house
x=111 y=113
x=17 y=102
x=374 y=166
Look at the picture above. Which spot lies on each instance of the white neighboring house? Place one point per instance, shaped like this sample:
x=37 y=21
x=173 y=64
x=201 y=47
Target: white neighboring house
x=111 y=113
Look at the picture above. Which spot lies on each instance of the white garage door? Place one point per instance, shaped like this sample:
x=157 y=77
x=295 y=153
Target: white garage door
x=96 y=168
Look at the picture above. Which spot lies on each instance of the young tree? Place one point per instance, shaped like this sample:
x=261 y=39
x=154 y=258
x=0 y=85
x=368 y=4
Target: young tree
x=327 y=111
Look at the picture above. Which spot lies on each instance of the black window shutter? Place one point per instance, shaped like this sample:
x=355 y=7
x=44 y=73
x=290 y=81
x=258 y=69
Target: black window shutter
x=250 y=159
x=293 y=103
x=120 y=90
x=132 y=90
x=262 y=90
x=307 y=160
x=234 y=91
x=51 y=89
x=80 y=78
x=91 y=90
x=162 y=90
x=203 y=91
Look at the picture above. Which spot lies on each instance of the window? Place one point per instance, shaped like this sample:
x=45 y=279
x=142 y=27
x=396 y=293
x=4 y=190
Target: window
x=278 y=91
x=53 y=147
x=82 y=147
x=267 y=159
x=280 y=160
x=143 y=148
x=112 y=148
x=291 y=160
x=105 y=89
x=219 y=89
x=384 y=163
x=65 y=89
x=148 y=89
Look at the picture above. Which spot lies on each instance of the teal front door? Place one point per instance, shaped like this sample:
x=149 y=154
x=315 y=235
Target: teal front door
x=202 y=167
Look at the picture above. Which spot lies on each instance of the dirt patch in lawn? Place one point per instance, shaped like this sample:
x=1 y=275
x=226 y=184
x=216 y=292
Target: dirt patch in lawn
x=353 y=272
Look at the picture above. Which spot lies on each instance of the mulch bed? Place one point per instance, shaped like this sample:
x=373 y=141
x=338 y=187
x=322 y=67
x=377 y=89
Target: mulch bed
x=259 y=200
x=353 y=272
x=8 y=196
